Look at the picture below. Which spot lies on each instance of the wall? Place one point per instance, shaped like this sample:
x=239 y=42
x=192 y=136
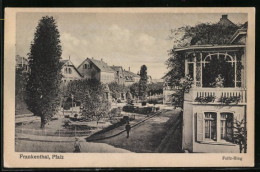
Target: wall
x=107 y=77
x=189 y=126
x=92 y=73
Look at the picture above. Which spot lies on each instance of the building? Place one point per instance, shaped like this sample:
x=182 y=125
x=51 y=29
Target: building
x=69 y=72
x=130 y=77
x=119 y=74
x=96 y=69
x=22 y=62
x=217 y=98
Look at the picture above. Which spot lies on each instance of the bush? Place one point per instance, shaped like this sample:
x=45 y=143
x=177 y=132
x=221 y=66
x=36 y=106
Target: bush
x=144 y=110
x=114 y=112
x=129 y=108
x=153 y=101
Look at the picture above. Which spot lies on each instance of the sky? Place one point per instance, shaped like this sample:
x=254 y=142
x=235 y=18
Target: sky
x=125 y=39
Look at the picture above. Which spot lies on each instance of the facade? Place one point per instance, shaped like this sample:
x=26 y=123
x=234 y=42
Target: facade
x=69 y=72
x=130 y=77
x=119 y=74
x=219 y=76
x=96 y=69
x=22 y=62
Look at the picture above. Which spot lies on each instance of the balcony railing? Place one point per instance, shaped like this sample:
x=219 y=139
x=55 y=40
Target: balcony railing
x=217 y=93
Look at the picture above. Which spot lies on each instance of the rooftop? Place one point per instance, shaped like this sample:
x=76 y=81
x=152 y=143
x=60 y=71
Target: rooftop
x=101 y=65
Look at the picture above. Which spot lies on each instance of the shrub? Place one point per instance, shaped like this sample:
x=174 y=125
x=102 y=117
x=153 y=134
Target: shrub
x=129 y=108
x=114 y=112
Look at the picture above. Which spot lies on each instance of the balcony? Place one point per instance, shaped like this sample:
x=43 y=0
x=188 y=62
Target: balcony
x=216 y=95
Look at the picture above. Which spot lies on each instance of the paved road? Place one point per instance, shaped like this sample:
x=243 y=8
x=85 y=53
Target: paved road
x=45 y=146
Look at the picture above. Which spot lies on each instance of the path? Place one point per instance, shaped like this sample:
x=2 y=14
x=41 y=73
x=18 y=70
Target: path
x=65 y=147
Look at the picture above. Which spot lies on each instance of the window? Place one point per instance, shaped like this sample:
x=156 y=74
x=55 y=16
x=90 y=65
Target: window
x=66 y=70
x=70 y=71
x=210 y=126
x=226 y=126
x=85 y=66
x=215 y=126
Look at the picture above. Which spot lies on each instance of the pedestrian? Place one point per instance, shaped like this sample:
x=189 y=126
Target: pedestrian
x=77 y=145
x=128 y=128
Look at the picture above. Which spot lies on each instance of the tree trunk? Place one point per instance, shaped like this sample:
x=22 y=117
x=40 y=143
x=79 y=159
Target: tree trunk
x=42 y=121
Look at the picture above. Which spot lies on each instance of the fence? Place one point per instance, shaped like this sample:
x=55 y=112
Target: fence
x=57 y=133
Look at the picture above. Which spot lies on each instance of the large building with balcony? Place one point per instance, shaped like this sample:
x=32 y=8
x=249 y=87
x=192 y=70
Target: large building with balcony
x=217 y=98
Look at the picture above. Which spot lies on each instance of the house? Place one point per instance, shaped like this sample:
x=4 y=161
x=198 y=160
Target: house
x=91 y=68
x=218 y=96
x=130 y=77
x=119 y=74
x=69 y=71
x=22 y=62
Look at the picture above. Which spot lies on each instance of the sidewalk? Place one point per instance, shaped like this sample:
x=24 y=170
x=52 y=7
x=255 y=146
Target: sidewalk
x=65 y=147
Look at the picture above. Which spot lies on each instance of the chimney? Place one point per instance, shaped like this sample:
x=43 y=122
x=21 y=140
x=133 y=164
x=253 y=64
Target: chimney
x=101 y=59
x=92 y=57
x=129 y=69
x=224 y=16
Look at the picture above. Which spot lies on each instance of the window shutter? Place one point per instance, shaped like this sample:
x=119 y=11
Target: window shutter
x=200 y=127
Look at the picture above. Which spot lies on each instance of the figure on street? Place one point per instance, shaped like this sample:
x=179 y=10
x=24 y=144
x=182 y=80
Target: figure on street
x=128 y=128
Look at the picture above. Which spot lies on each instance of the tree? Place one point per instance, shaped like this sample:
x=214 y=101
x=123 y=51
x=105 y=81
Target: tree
x=240 y=135
x=44 y=79
x=91 y=94
x=201 y=34
x=134 y=89
x=155 y=88
x=116 y=89
x=143 y=83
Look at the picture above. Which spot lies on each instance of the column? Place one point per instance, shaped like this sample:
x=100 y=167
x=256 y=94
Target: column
x=218 y=127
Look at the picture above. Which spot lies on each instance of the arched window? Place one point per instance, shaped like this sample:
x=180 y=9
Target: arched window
x=219 y=70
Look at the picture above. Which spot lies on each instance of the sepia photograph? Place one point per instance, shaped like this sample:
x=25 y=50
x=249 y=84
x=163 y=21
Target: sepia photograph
x=165 y=82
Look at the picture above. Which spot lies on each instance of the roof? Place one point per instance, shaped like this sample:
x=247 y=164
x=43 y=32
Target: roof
x=237 y=35
x=225 y=21
x=129 y=73
x=205 y=47
x=63 y=62
x=102 y=65
x=116 y=68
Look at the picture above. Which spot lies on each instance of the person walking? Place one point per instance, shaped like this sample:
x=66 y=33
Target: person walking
x=77 y=145
x=128 y=128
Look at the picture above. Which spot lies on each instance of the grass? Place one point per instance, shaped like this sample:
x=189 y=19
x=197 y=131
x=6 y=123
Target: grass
x=152 y=135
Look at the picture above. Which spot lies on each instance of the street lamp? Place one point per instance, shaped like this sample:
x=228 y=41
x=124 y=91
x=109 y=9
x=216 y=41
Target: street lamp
x=72 y=97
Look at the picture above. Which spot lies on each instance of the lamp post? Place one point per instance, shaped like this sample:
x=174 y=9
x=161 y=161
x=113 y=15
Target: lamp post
x=72 y=97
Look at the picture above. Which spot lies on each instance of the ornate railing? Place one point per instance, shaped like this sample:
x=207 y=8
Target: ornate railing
x=217 y=95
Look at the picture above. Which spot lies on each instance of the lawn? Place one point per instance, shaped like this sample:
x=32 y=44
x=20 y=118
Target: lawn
x=161 y=133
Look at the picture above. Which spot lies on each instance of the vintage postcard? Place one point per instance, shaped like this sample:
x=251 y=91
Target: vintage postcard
x=129 y=87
